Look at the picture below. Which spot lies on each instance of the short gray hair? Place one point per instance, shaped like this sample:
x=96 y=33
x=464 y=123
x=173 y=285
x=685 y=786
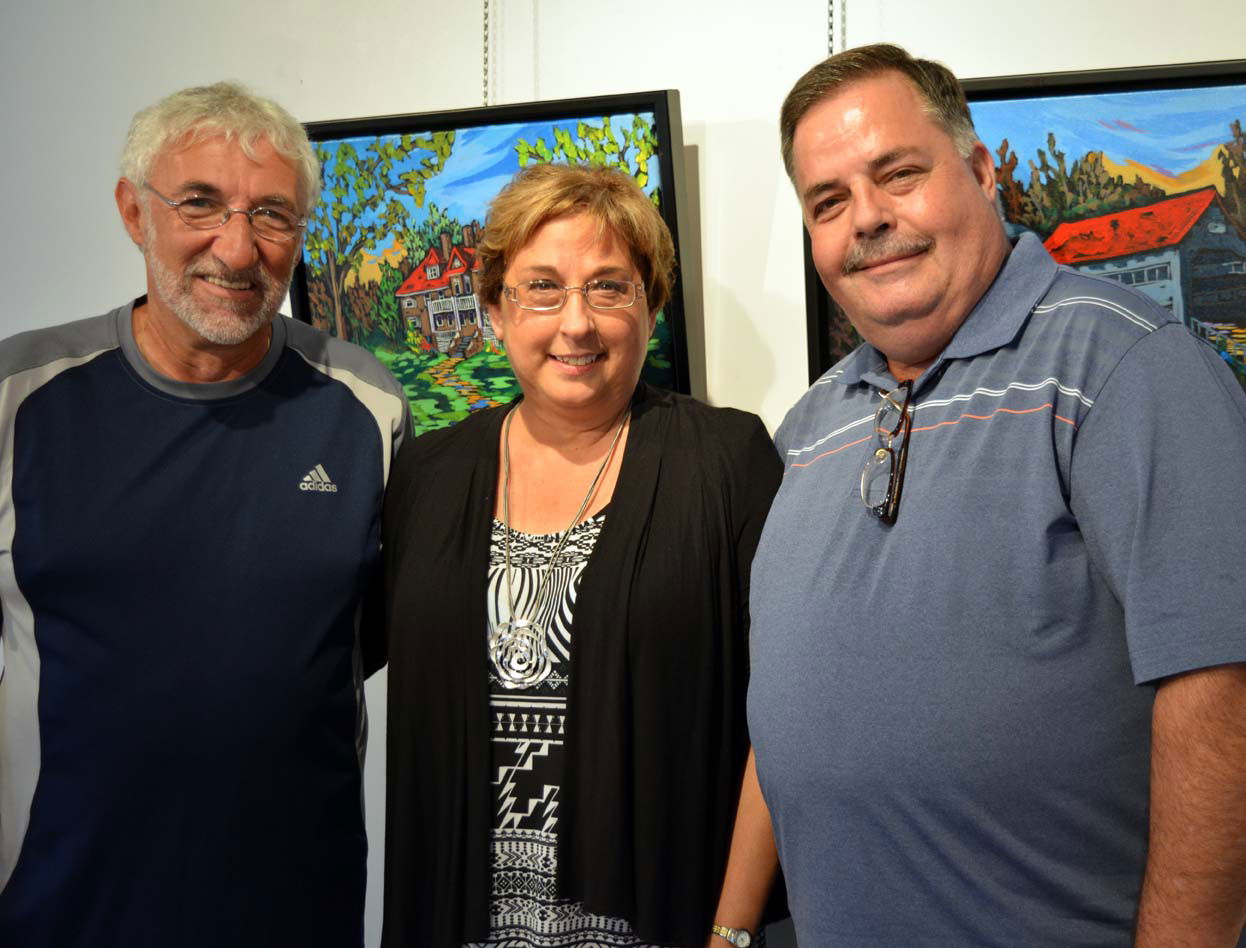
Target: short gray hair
x=939 y=90
x=227 y=109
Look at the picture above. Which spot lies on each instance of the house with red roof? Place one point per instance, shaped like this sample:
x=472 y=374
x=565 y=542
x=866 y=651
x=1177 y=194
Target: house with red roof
x=1184 y=252
x=438 y=298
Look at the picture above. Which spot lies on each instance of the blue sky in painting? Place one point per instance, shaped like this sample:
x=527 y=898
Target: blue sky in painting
x=1169 y=130
x=482 y=161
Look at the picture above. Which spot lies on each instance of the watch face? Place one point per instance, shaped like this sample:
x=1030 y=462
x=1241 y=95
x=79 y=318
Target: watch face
x=743 y=939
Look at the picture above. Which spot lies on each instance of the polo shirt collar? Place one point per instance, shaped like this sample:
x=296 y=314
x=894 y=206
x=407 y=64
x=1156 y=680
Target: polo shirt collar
x=995 y=320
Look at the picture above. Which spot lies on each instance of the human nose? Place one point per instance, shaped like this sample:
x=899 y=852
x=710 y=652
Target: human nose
x=576 y=318
x=871 y=211
x=236 y=243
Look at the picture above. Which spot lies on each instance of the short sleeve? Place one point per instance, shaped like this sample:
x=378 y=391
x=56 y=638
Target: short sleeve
x=1158 y=487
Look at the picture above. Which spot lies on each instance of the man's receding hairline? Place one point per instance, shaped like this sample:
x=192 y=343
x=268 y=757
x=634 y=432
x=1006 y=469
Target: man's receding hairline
x=926 y=107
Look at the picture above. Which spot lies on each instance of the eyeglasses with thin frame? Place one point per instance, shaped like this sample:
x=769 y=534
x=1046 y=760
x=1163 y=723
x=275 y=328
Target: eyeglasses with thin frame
x=882 y=480
x=547 y=296
x=207 y=213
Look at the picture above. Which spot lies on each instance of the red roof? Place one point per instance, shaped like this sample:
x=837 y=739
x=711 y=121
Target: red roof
x=418 y=280
x=461 y=260
x=1137 y=230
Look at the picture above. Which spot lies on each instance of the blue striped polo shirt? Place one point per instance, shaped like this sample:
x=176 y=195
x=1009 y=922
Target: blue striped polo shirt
x=946 y=712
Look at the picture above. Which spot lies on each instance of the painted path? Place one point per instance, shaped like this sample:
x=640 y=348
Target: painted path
x=443 y=373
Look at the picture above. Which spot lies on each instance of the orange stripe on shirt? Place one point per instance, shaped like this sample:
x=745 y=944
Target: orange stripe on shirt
x=1006 y=411
x=826 y=454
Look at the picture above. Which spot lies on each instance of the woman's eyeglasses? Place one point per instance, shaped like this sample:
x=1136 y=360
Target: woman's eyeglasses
x=546 y=296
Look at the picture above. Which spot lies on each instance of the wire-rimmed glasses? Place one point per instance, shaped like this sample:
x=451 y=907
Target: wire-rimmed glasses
x=207 y=213
x=882 y=479
x=548 y=296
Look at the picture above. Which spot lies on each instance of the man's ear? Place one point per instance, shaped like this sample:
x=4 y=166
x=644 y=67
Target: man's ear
x=129 y=204
x=983 y=167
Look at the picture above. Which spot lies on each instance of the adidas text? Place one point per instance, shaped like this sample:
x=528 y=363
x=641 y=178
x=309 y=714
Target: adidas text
x=318 y=479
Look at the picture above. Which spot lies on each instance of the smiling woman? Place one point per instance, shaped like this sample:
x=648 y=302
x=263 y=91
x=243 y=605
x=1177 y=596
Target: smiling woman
x=590 y=589
x=574 y=326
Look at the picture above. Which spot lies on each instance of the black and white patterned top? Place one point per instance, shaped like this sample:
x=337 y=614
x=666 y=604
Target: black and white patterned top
x=527 y=746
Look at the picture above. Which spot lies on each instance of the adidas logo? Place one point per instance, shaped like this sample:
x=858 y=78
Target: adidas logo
x=318 y=479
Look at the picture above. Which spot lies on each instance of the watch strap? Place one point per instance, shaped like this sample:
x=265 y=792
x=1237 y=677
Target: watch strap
x=740 y=937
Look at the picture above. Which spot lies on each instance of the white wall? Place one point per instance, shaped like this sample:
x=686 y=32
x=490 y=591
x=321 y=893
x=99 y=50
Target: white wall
x=72 y=74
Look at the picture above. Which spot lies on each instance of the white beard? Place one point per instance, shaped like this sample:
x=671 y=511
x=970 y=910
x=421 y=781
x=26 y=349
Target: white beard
x=230 y=322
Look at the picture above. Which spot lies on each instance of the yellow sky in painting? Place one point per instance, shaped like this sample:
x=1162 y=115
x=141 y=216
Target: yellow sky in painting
x=1208 y=173
x=370 y=272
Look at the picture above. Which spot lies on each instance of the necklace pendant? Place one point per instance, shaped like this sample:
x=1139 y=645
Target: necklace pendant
x=519 y=653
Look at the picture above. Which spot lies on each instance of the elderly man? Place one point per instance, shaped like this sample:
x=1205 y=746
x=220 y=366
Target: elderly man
x=997 y=694
x=189 y=491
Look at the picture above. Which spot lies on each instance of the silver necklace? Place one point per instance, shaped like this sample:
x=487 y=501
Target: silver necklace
x=517 y=647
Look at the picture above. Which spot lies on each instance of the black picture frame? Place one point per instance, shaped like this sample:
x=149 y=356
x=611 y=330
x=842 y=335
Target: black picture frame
x=830 y=336
x=640 y=131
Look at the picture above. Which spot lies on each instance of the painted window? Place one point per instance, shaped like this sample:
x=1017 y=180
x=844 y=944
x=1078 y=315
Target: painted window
x=1138 y=275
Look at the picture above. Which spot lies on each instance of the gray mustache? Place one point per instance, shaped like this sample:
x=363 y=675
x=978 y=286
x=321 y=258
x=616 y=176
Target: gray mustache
x=871 y=250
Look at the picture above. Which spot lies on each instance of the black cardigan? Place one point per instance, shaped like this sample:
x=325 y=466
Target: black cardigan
x=656 y=738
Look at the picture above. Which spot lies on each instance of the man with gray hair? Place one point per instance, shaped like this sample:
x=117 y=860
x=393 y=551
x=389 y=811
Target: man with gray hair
x=189 y=503
x=998 y=694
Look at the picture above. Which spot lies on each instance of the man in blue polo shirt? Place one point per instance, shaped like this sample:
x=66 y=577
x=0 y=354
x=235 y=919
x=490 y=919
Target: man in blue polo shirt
x=190 y=489
x=997 y=690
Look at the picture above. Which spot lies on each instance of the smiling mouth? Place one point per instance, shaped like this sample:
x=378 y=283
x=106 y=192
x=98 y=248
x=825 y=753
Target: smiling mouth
x=874 y=264
x=576 y=360
x=227 y=284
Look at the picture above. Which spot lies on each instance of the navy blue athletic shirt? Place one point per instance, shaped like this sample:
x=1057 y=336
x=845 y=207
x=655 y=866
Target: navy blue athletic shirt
x=181 y=710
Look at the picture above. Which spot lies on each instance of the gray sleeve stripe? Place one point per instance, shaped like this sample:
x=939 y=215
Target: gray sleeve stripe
x=39 y=348
x=21 y=754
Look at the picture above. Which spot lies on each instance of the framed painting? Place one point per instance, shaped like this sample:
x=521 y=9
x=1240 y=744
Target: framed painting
x=1137 y=175
x=389 y=260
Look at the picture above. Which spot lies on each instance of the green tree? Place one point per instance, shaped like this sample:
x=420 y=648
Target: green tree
x=628 y=147
x=417 y=240
x=1050 y=189
x=359 y=205
x=1059 y=193
x=388 y=312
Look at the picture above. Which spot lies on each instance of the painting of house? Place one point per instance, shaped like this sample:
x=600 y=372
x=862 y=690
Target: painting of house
x=1138 y=179
x=438 y=300
x=1183 y=252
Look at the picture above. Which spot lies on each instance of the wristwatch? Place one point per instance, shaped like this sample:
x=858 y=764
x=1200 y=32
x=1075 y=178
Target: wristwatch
x=735 y=936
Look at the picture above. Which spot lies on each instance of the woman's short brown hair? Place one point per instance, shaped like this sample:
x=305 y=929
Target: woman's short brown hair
x=611 y=197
